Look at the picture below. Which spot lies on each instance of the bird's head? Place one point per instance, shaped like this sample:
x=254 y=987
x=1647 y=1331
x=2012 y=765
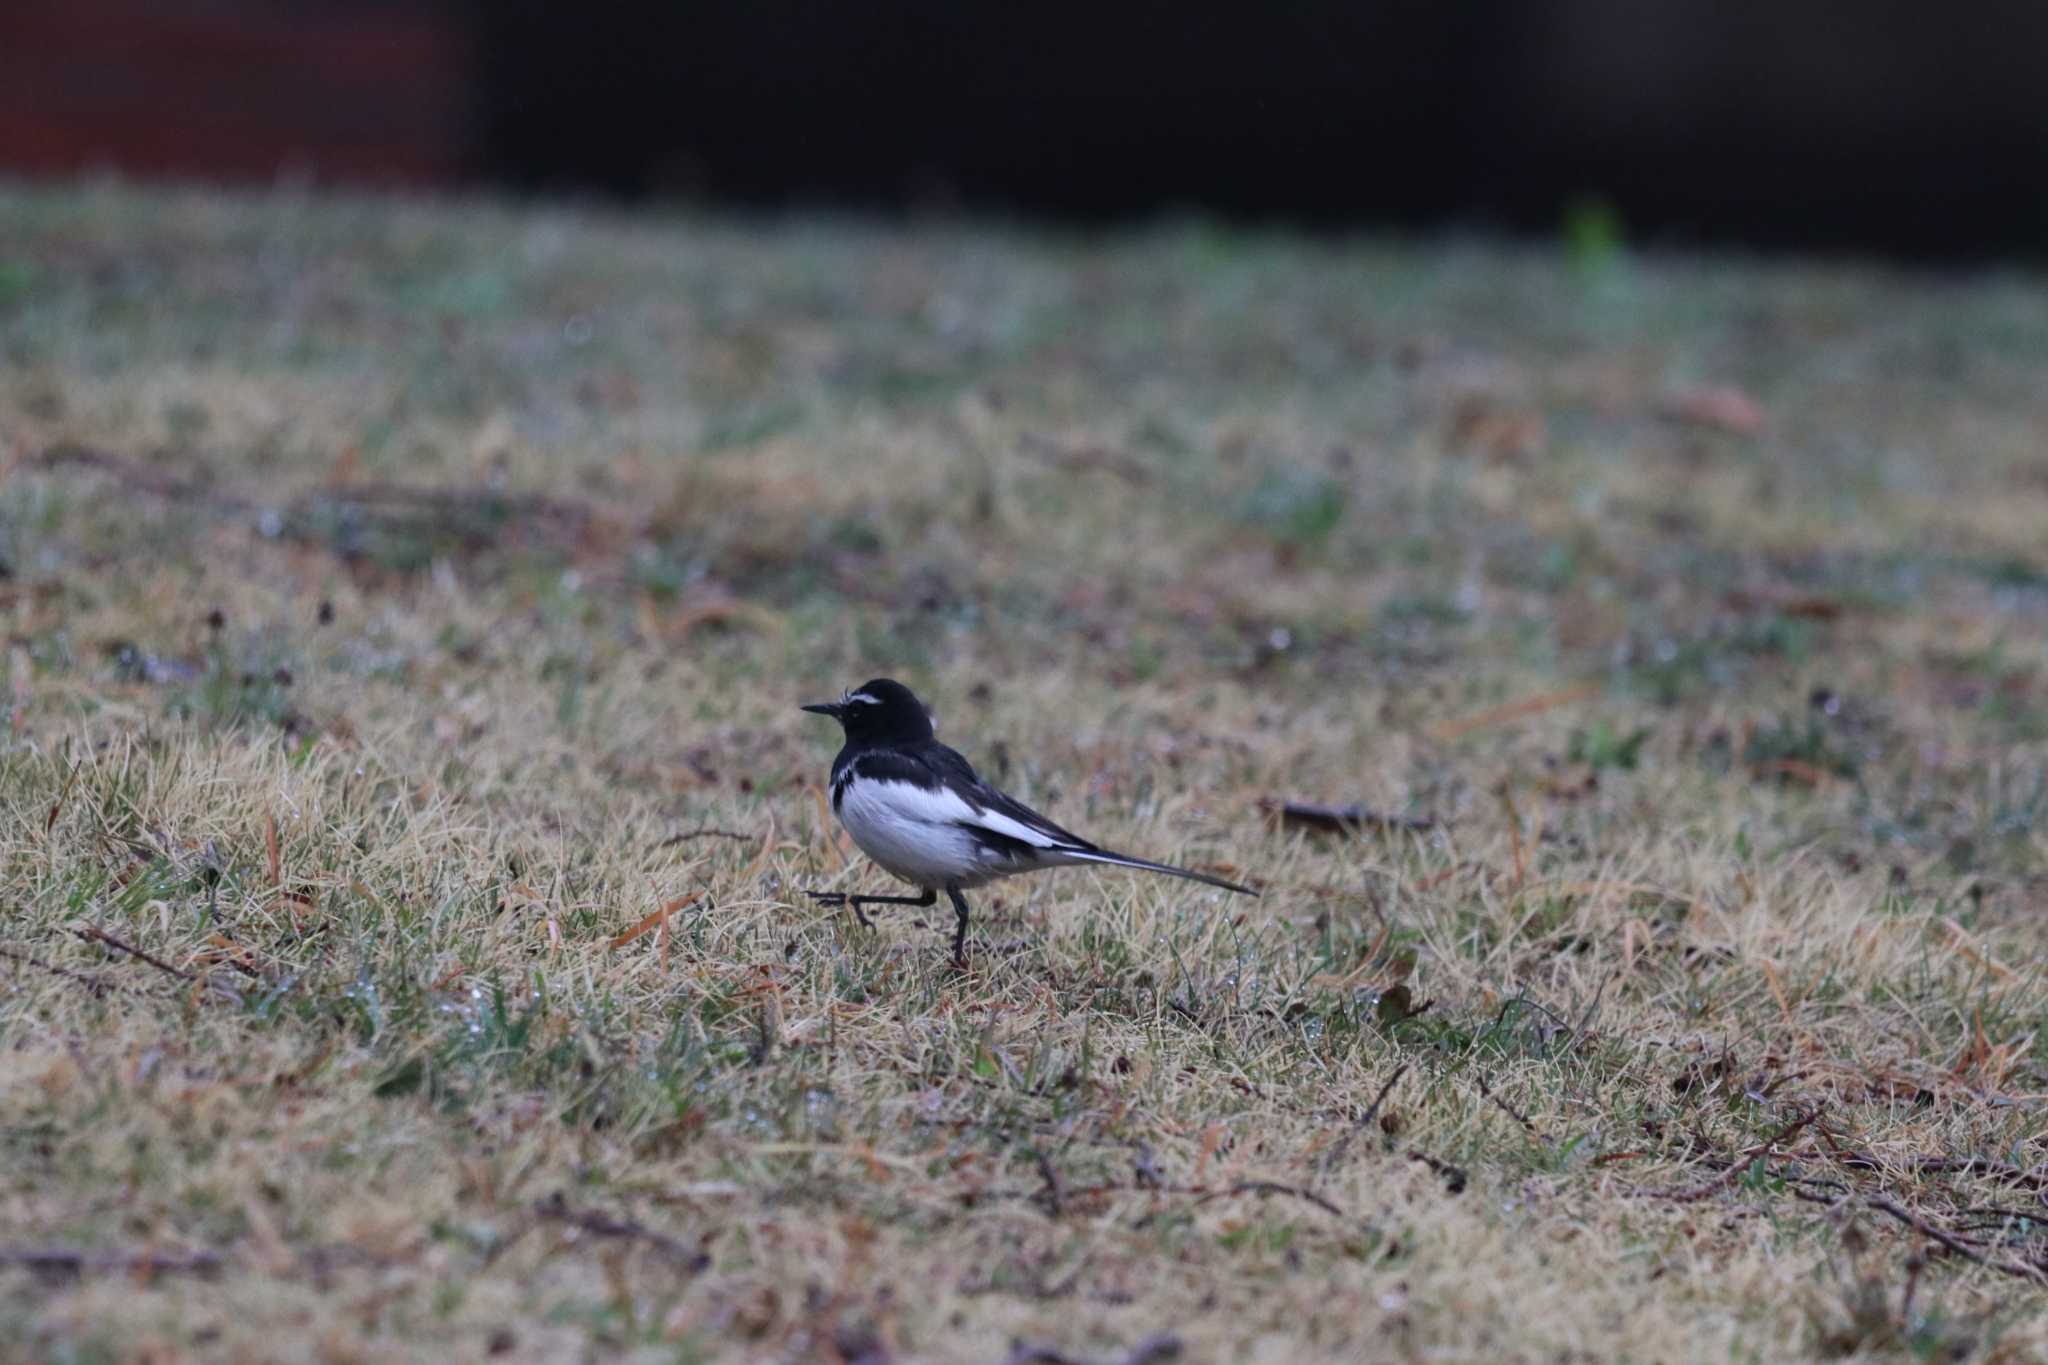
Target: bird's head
x=881 y=711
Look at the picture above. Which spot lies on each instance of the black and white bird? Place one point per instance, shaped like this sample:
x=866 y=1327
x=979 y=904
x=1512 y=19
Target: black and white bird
x=917 y=808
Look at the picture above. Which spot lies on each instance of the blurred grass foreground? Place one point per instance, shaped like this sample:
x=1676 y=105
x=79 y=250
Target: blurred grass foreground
x=406 y=812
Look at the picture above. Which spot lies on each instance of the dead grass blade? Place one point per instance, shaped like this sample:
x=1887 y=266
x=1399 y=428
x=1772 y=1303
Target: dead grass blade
x=658 y=919
x=1515 y=710
x=63 y=794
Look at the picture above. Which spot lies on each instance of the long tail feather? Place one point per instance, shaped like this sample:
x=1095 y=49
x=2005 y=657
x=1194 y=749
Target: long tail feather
x=1120 y=860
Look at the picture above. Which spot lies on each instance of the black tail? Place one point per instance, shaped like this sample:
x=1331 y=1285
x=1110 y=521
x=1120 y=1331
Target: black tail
x=1099 y=855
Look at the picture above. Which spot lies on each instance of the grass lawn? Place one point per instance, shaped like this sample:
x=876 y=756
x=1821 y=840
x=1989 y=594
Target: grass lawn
x=405 y=813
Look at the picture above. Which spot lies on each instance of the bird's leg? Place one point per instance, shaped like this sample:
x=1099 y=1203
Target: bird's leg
x=960 y=930
x=854 y=903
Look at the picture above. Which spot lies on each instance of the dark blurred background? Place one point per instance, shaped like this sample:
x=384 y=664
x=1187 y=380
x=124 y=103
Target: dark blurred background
x=1885 y=127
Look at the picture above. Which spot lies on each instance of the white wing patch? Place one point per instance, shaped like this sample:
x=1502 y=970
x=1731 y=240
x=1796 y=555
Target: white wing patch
x=907 y=802
x=920 y=834
x=1016 y=829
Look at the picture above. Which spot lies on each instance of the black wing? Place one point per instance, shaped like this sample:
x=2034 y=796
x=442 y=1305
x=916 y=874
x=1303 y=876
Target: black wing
x=934 y=767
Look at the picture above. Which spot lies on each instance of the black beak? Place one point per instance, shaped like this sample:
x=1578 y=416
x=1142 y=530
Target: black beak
x=833 y=709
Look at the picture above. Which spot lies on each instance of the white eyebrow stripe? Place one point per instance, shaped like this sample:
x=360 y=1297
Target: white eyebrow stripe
x=852 y=697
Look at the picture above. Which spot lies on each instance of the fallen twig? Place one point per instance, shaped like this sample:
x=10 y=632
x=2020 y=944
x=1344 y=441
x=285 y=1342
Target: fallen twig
x=1028 y=1353
x=1055 y=1190
x=556 y=1209
x=1608 y=1158
x=1160 y=1346
x=1892 y=1209
x=1688 y=1193
x=2003 y=1172
x=136 y=475
x=1517 y=1115
x=75 y=1261
x=1988 y=1216
x=91 y=983
x=1372 y=1110
x=1263 y=1187
x=93 y=934
x=1353 y=818
x=703 y=833
x=452 y=501
x=1083 y=459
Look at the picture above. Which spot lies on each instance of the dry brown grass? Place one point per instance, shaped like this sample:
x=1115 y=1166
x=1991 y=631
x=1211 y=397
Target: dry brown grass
x=1706 y=1022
